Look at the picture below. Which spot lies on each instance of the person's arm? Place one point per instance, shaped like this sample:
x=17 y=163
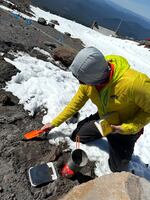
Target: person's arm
x=73 y=106
x=141 y=96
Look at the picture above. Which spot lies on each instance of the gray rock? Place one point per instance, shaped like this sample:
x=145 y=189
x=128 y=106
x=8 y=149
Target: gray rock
x=38 y=54
x=41 y=21
x=50 y=44
x=5 y=100
x=51 y=25
x=1 y=189
x=67 y=34
x=54 y=22
x=6 y=71
x=10 y=114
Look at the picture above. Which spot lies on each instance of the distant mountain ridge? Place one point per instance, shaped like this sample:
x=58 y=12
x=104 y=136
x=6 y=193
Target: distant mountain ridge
x=106 y=13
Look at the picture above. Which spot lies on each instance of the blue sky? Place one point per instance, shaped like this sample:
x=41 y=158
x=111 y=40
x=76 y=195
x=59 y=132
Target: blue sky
x=141 y=7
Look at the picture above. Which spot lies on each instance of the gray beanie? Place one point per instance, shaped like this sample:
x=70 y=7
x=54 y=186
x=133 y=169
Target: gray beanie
x=90 y=66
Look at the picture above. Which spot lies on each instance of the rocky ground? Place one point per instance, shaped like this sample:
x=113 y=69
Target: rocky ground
x=16 y=154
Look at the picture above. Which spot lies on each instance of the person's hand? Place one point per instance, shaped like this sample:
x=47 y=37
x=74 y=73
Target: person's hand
x=47 y=127
x=117 y=128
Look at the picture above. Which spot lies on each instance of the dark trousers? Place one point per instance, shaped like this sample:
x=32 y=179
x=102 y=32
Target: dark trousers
x=121 y=147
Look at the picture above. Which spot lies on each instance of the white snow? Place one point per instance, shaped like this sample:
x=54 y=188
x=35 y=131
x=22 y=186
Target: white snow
x=41 y=84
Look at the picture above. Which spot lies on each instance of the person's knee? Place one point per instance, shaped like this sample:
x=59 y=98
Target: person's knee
x=119 y=166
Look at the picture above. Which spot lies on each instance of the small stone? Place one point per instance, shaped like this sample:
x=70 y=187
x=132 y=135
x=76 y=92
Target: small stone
x=41 y=21
x=5 y=100
x=12 y=196
x=1 y=189
x=67 y=34
x=51 y=190
x=51 y=25
x=50 y=44
x=54 y=22
x=146 y=165
x=1 y=54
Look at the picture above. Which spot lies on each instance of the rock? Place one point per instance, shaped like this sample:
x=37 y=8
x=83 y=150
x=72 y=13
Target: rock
x=146 y=43
x=41 y=21
x=11 y=25
x=51 y=25
x=5 y=100
x=35 y=53
x=65 y=55
x=12 y=195
x=11 y=6
x=54 y=22
x=67 y=34
x=60 y=65
x=2 y=54
x=6 y=46
x=10 y=114
x=141 y=43
x=116 y=186
x=1 y=189
x=51 y=190
x=6 y=71
x=50 y=44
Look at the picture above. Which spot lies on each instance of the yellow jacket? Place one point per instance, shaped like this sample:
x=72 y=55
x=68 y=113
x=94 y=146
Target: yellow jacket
x=128 y=93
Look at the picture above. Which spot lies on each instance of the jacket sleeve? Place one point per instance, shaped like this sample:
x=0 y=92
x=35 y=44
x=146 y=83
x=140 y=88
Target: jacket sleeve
x=141 y=97
x=73 y=106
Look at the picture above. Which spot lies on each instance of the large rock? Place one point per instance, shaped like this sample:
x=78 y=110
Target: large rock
x=7 y=70
x=65 y=55
x=42 y=21
x=117 y=186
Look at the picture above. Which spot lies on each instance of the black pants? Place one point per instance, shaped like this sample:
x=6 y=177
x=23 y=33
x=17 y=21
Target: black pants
x=121 y=147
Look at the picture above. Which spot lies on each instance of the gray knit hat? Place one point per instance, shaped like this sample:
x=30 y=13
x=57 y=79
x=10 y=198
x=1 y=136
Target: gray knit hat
x=90 y=66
